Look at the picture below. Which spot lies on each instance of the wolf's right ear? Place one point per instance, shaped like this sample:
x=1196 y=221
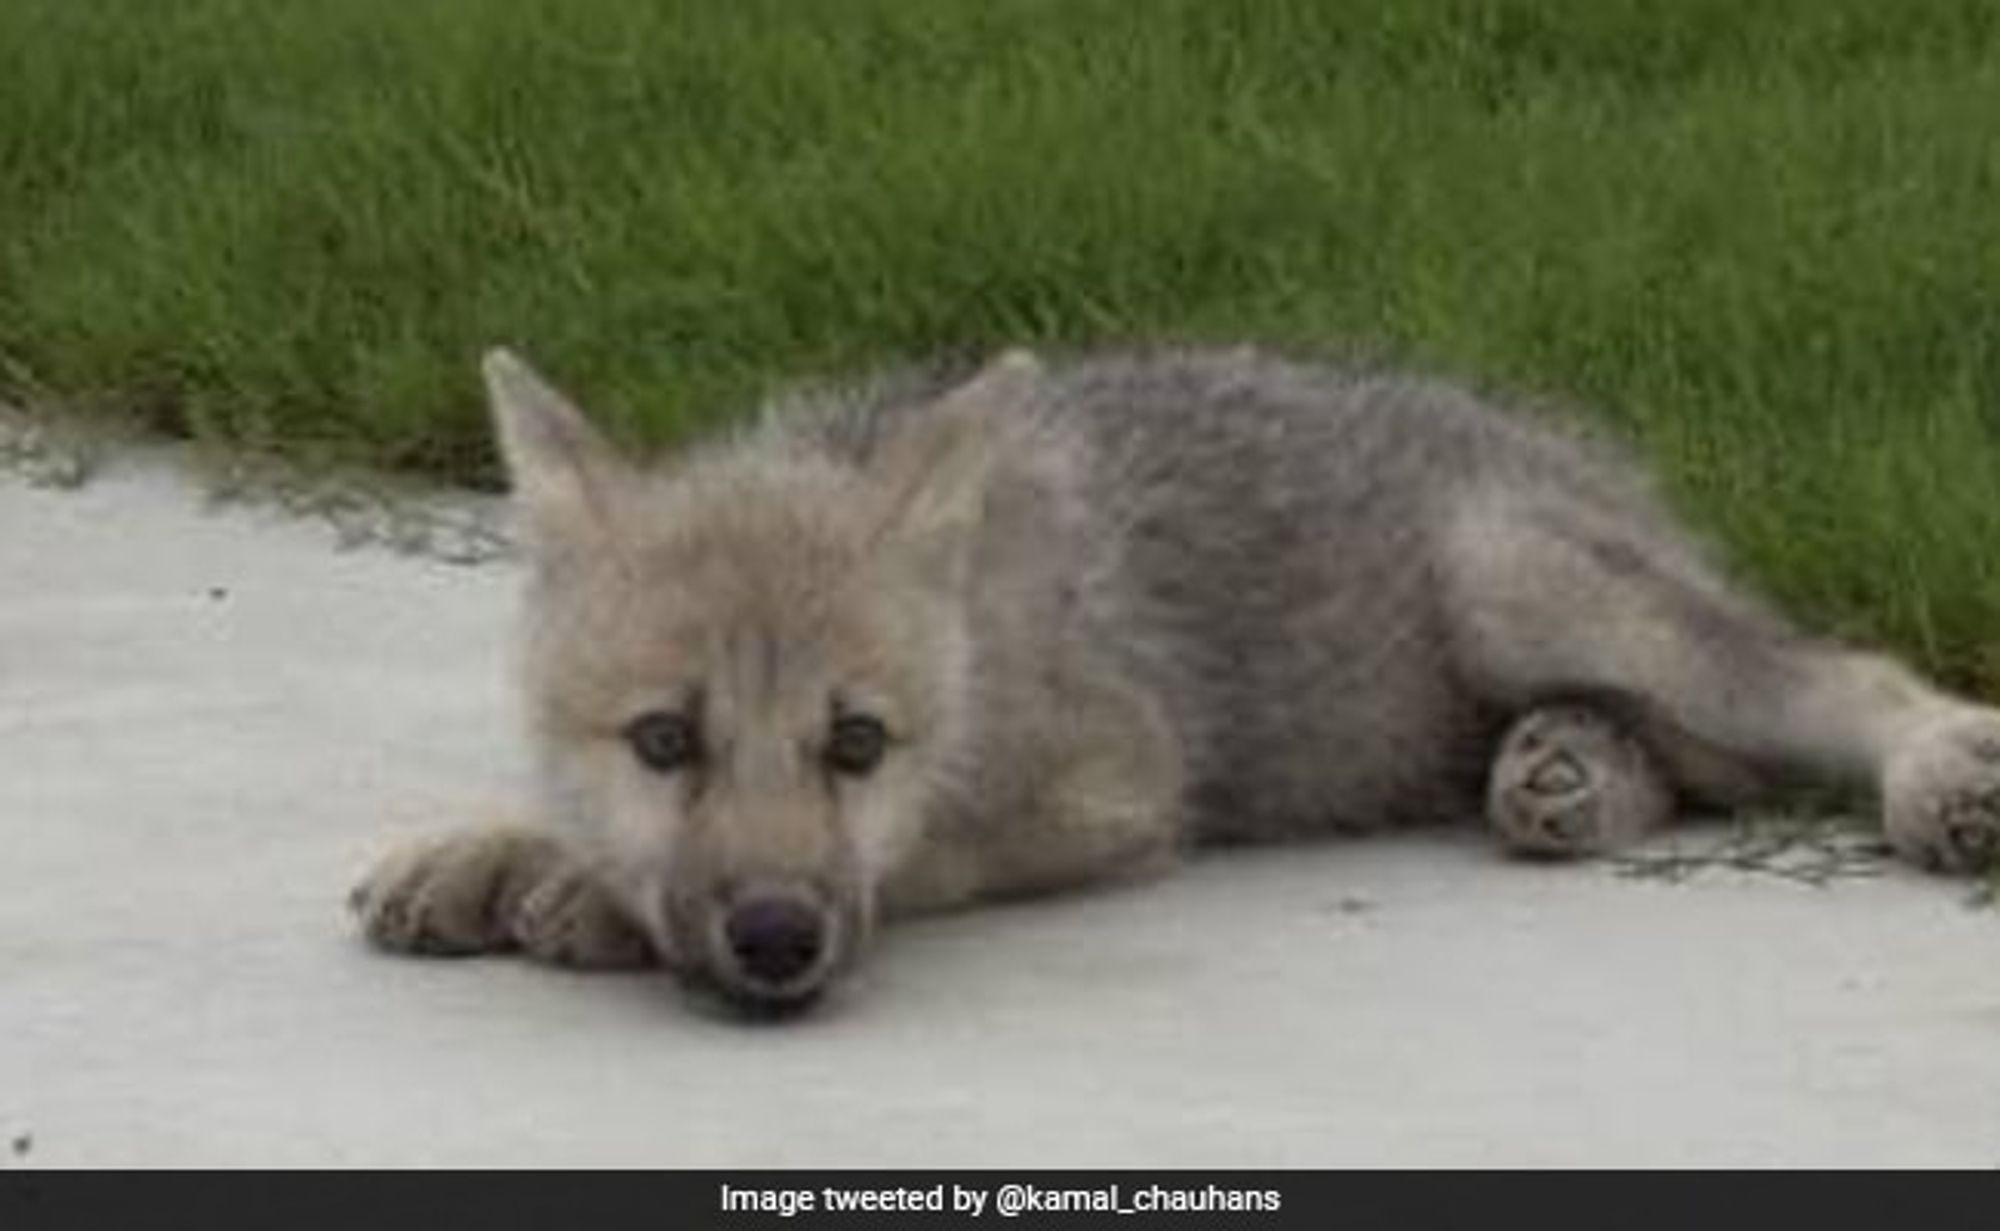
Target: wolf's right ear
x=563 y=474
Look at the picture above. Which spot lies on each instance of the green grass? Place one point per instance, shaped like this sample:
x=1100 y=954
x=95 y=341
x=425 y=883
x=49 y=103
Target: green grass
x=1760 y=236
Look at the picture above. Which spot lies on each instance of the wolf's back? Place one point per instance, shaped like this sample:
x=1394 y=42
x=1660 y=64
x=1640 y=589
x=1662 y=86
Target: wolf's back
x=1253 y=540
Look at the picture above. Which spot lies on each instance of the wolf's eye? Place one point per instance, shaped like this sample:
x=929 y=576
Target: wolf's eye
x=665 y=741
x=856 y=744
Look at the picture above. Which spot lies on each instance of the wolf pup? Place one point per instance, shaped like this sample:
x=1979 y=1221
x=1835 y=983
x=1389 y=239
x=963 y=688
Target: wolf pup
x=929 y=642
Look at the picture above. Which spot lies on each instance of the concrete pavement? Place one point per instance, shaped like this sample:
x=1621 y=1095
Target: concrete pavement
x=210 y=721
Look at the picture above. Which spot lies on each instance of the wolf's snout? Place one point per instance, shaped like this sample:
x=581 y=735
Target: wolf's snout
x=774 y=945
x=776 y=938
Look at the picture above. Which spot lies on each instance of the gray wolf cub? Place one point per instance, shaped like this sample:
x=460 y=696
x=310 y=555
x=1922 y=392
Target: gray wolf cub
x=931 y=641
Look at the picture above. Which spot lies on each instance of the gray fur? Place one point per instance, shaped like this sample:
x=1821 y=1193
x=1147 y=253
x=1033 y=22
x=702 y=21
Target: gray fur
x=1115 y=606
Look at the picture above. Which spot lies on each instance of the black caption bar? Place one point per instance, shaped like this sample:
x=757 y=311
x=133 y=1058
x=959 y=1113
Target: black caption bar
x=501 y=1201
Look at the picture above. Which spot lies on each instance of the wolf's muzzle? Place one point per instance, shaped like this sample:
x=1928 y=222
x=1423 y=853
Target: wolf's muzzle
x=774 y=944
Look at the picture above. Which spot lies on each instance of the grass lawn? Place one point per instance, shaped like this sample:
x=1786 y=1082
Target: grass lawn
x=1762 y=237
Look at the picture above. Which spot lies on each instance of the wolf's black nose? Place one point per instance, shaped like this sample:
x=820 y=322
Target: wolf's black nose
x=775 y=939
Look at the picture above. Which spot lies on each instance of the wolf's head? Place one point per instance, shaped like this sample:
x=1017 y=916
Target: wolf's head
x=747 y=671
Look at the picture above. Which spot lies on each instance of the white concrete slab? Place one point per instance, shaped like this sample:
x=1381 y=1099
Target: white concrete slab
x=209 y=722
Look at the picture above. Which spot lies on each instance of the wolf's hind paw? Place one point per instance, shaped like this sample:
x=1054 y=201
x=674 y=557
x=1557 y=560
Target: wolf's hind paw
x=1941 y=794
x=1567 y=782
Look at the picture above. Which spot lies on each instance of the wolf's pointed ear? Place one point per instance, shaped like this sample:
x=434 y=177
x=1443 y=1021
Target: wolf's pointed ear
x=936 y=472
x=561 y=471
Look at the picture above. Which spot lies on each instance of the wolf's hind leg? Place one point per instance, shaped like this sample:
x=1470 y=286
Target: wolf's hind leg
x=1568 y=781
x=495 y=890
x=1550 y=599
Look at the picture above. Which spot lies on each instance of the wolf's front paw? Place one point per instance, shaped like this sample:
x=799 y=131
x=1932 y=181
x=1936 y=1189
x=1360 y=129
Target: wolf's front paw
x=454 y=895
x=1941 y=793
x=1568 y=782
x=569 y=919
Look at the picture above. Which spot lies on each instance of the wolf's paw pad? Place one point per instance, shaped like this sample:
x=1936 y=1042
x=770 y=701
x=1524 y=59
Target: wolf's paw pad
x=1567 y=782
x=1941 y=794
x=448 y=896
x=569 y=920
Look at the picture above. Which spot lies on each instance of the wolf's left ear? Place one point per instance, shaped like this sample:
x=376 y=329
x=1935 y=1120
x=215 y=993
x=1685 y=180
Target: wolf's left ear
x=562 y=472
x=937 y=471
